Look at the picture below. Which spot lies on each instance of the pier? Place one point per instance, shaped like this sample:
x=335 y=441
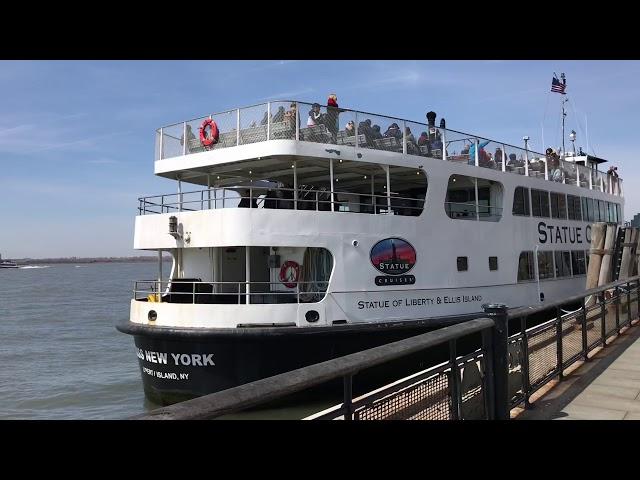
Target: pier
x=578 y=364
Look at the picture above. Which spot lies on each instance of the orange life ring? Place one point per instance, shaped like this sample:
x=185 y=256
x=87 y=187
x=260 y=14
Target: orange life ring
x=289 y=273
x=205 y=140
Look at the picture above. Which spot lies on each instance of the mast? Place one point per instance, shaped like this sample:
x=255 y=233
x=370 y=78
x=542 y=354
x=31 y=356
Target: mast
x=564 y=113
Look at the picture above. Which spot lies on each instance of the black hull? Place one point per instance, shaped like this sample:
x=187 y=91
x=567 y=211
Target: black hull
x=196 y=362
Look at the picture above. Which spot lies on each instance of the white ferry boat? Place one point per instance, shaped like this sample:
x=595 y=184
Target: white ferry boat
x=295 y=241
x=7 y=263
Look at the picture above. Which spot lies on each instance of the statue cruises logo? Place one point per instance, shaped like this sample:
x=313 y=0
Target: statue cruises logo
x=394 y=257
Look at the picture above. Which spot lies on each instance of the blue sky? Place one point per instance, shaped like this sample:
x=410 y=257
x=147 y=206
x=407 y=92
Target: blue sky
x=77 y=137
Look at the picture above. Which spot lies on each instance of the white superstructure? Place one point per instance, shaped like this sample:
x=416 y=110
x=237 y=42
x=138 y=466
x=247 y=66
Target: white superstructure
x=284 y=224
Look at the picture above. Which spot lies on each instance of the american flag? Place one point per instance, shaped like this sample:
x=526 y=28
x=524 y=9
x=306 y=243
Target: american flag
x=557 y=86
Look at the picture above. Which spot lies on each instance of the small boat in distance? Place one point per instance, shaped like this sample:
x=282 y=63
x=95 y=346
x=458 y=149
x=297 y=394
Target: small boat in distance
x=7 y=263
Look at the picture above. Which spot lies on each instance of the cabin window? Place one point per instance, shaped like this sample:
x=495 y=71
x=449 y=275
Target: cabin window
x=578 y=262
x=573 y=208
x=493 y=263
x=618 y=213
x=463 y=264
x=563 y=264
x=558 y=205
x=603 y=210
x=521 y=201
x=470 y=198
x=545 y=265
x=408 y=190
x=612 y=212
x=525 y=267
x=540 y=203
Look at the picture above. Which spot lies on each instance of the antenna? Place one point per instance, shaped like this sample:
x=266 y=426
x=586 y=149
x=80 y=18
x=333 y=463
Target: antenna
x=542 y=128
x=586 y=127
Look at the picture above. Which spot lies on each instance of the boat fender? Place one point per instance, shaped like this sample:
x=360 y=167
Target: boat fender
x=205 y=140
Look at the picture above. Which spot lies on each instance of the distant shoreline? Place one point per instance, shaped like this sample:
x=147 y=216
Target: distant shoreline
x=38 y=261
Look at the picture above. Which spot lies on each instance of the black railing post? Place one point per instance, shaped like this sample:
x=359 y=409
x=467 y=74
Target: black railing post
x=603 y=315
x=456 y=395
x=584 y=331
x=617 y=303
x=498 y=313
x=526 y=387
x=559 y=344
x=348 y=397
x=629 y=302
x=489 y=387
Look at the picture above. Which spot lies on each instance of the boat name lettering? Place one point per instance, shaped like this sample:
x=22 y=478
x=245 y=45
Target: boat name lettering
x=417 y=302
x=564 y=234
x=188 y=359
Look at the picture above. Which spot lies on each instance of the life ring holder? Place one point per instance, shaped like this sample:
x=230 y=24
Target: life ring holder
x=208 y=141
x=287 y=282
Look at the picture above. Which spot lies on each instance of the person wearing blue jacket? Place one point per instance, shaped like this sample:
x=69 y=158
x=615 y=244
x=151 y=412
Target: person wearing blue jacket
x=472 y=151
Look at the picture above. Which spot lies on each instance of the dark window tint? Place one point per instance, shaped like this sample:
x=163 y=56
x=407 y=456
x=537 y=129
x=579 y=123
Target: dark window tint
x=558 y=205
x=539 y=203
x=521 y=201
x=578 y=262
x=493 y=263
x=463 y=264
x=618 y=213
x=563 y=264
x=525 y=266
x=545 y=265
x=591 y=210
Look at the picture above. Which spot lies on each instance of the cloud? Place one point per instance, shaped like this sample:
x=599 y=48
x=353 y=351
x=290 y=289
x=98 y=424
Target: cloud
x=289 y=95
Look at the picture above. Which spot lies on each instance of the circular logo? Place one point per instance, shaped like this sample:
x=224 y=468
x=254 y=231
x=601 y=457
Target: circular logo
x=289 y=273
x=393 y=256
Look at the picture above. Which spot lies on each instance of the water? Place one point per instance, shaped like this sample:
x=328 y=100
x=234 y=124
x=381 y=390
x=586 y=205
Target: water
x=61 y=356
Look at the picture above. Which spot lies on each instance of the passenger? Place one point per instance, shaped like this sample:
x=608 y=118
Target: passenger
x=443 y=123
x=375 y=132
x=190 y=136
x=423 y=140
x=332 y=116
x=553 y=165
x=350 y=129
x=481 y=152
x=315 y=116
x=431 y=119
x=271 y=199
x=279 y=116
x=364 y=128
x=412 y=146
x=393 y=131
x=290 y=116
x=265 y=119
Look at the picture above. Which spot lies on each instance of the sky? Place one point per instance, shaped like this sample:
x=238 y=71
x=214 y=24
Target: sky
x=77 y=137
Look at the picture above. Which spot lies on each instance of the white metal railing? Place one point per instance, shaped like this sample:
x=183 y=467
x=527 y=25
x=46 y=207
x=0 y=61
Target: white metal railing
x=280 y=198
x=195 y=291
x=288 y=120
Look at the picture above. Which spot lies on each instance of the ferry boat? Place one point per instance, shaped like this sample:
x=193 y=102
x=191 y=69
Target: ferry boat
x=293 y=242
x=7 y=263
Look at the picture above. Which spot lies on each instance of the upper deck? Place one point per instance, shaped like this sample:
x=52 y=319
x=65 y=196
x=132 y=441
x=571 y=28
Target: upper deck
x=240 y=129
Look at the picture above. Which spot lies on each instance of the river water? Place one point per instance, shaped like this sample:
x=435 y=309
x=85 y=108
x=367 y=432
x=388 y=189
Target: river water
x=61 y=356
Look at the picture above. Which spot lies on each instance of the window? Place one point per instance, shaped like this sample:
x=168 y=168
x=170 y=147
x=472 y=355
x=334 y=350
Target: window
x=586 y=253
x=463 y=264
x=545 y=265
x=525 y=267
x=591 y=217
x=603 y=210
x=573 y=208
x=611 y=212
x=558 y=205
x=540 y=203
x=618 y=213
x=563 y=264
x=521 y=201
x=493 y=263
x=578 y=262
x=462 y=202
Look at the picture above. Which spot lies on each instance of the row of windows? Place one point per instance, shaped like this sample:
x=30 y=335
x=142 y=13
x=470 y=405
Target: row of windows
x=555 y=264
x=558 y=205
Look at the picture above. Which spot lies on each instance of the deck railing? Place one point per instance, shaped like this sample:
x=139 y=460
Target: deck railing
x=195 y=291
x=281 y=198
x=288 y=120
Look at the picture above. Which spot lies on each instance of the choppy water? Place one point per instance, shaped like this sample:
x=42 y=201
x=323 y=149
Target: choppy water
x=60 y=354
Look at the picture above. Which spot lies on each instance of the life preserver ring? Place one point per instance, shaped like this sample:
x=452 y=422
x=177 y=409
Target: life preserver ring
x=289 y=273
x=205 y=140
